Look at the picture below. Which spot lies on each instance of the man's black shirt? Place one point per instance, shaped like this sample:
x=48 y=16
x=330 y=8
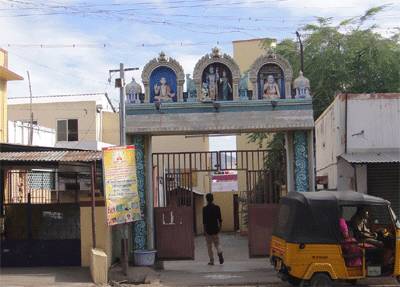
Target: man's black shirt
x=211 y=218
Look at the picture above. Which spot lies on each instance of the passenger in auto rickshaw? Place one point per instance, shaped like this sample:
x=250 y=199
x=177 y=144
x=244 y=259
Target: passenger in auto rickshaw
x=311 y=245
x=350 y=246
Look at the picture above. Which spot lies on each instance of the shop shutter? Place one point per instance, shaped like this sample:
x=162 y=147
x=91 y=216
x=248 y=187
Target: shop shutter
x=383 y=180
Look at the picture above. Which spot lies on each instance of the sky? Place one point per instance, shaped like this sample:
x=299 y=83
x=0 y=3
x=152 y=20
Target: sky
x=70 y=46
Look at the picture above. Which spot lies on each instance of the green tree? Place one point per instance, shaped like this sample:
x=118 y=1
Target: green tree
x=346 y=57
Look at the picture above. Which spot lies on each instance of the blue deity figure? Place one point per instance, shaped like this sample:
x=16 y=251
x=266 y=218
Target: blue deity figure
x=226 y=86
x=212 y=83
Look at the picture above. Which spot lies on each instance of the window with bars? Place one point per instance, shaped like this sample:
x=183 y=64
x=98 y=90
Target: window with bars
x=67 y=130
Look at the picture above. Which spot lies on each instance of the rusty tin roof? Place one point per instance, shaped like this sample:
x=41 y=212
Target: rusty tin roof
x=52 y=156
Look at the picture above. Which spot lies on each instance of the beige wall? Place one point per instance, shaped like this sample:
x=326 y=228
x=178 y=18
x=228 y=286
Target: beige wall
x=47 y=115
x=225 y=202
x=179 y=143
x=3 y=100
x=111 y=128
x=246 y=52
x=103 y=234
x=3 y=110
x=5 y=75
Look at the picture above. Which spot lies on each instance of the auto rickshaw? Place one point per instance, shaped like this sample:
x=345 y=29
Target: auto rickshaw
x=306 y=243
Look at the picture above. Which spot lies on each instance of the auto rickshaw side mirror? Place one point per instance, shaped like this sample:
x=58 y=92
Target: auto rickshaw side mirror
x=302 y=246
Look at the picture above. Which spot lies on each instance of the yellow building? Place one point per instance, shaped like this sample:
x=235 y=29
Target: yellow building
x=5 y=76
x=86 y=121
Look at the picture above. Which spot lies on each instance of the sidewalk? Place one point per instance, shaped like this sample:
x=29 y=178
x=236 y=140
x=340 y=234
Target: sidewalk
x=237 y=270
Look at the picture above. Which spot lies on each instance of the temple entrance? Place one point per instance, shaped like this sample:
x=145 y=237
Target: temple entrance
x=178 y=206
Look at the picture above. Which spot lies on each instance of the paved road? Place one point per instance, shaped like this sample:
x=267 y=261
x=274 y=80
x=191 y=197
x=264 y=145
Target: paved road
x=238 y=270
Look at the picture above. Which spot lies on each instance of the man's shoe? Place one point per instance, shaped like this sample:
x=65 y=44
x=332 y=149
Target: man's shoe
x=221 y=259
x=210 y=263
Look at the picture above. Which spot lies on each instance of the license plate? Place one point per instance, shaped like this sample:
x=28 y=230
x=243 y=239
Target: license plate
x=278 y=265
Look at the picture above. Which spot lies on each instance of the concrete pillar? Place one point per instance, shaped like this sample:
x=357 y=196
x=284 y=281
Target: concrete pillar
x=139 y=230
x=300 y=161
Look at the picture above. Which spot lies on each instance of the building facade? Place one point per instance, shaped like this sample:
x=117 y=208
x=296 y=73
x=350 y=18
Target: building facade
x=5 y=76
x=86 y=121
x=358 y=143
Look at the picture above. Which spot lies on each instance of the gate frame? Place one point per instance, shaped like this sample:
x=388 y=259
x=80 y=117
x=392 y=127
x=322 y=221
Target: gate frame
x=248 y=165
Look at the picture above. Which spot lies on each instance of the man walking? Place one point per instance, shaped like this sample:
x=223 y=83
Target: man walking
x=212 y=225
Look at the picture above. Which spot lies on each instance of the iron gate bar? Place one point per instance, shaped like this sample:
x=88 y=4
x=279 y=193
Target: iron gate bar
x=176 y=168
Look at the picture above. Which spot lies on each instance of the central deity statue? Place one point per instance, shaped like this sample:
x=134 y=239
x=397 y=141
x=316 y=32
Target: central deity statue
x=271 y=89
x=212 y=83
x=163 y=91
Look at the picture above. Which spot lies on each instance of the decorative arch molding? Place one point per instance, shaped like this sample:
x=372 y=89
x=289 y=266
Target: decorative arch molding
x=163 y=61
x=217 y=57
x=271 y=58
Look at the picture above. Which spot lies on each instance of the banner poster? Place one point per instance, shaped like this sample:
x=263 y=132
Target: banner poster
x=120 y=185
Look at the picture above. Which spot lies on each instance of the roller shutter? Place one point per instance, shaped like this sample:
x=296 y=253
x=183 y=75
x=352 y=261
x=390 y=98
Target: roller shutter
x=383 y=180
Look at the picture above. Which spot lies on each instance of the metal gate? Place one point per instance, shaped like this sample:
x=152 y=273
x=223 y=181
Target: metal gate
x=41 y=235
x=174 y=207
x=174 y=222
x=40 y=224
x=262 y=198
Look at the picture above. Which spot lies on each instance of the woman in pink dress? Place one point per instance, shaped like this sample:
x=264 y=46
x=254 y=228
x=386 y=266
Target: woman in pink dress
x=351 y=249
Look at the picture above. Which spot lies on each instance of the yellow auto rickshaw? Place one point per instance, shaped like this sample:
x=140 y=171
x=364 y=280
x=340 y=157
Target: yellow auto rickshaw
x=307 y=245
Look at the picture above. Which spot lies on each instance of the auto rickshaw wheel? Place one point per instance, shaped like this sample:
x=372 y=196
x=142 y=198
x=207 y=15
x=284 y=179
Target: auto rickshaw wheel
x=320 y=279
x=294 y=281
x=398 y=278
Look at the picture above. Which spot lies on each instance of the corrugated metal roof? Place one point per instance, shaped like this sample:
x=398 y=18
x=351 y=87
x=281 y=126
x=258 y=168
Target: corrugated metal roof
x=377 y=157
x=58 y=156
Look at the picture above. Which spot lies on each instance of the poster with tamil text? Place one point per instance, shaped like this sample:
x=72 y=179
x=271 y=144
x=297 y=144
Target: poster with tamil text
x=120 y=185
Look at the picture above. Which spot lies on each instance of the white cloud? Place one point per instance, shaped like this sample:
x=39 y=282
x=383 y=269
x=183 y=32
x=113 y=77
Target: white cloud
x=86 y=70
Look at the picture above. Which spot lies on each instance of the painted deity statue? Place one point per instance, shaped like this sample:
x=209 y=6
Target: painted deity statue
x=132 y=91
x=226 y=86
x=205 y=97
x=271 y=89
x=163 y=91
x=212 y=83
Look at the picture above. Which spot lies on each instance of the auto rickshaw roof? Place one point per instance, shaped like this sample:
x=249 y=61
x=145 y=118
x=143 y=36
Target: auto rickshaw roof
x=313 y=217
x=336 y=198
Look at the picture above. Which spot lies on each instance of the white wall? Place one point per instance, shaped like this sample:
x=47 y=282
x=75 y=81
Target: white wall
x=328 y=143
x=19 y=133
x=373 y=124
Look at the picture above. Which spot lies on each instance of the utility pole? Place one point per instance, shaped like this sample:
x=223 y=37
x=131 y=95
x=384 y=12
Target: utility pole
x=121 y=85
x=30 y=138
x=122 y=136
x=301 y=51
